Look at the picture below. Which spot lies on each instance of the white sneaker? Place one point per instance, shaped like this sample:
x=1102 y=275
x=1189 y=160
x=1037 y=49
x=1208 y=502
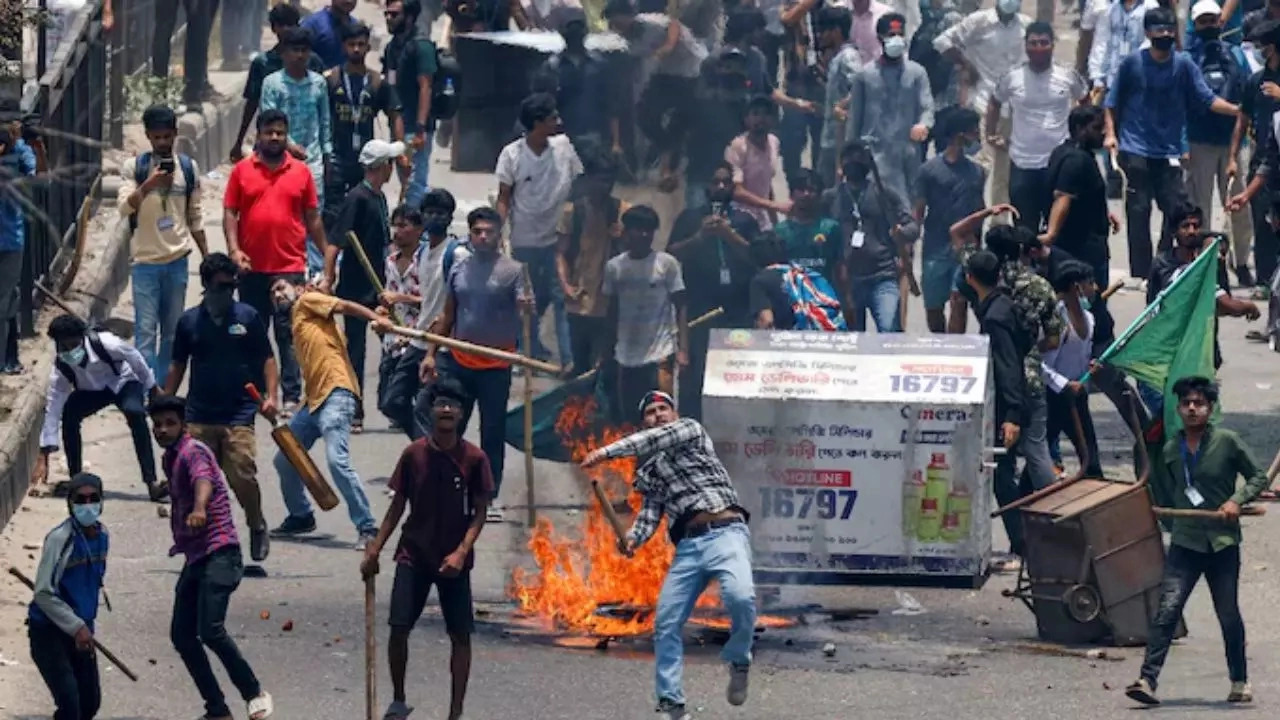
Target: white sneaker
x=494 y=515
x=739 y=676
x=1241 y=692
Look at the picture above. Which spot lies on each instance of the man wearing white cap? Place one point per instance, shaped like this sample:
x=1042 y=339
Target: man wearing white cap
x=1226 y=74
x=363 y=212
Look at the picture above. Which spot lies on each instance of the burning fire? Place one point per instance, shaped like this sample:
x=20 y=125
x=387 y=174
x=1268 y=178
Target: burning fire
x=576 y=577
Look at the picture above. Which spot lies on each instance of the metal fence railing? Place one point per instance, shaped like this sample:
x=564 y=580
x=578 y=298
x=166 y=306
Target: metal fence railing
x=68 y=107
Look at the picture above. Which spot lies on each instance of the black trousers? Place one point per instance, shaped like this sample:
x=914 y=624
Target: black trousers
x=255 y=291
x=1149 y=179
x=1029 y=192
x=586 y=339
x=71 y=675
x=1182 y=570
x=1266 y=246
x=200 y=14
x=398 y=386
x=1060 y=422
x=357 y=332
x=199 y=615
x=665 y=111
x=83 y=403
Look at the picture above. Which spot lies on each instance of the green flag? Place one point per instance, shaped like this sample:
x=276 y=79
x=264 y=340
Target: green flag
x=1173 y=337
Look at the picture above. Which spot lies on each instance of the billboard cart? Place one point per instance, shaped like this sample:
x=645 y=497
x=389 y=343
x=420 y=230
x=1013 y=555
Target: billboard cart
x=860 y=457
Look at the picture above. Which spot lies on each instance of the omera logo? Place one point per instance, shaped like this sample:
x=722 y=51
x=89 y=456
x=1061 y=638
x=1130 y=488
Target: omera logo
x=937 y=414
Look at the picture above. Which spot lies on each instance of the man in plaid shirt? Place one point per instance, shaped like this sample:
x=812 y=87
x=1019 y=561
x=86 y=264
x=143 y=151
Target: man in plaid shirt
x=204 y=531
x=682 y=478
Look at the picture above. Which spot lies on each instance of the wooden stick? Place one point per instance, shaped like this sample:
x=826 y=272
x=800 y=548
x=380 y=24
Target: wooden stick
x=353 y=242
x=486 y=351
x=1113 y=289
x=1246 y=511
x=526 y=317
x=610 y=514
x=100 y=647
x=370 y=651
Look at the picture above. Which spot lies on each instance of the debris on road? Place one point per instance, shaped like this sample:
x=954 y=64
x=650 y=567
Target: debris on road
x=907 y=604
x=288 y=626
x=162 y=511
x=265 y=614
x=829 y=649
x=1037 y=648
x=6 y=662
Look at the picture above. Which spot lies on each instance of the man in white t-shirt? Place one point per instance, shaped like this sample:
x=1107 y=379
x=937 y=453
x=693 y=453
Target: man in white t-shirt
x=648 y=319
x=1040 y=95
x=535 y=174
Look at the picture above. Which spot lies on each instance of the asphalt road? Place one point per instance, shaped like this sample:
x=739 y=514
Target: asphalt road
x=968 y=656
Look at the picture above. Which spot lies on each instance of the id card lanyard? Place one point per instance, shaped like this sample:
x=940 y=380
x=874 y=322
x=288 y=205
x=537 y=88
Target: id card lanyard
x=357 y=109
x=1189 y=461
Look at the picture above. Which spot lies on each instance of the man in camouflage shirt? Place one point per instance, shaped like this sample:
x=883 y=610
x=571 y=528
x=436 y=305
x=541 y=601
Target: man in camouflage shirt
x=1035 y=306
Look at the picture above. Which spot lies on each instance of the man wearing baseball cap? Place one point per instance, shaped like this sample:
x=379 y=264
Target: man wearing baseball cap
x=680 y=475
x=363 y=212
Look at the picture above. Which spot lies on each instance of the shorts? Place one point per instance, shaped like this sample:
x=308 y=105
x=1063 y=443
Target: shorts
x=409 y=593
x=938 y=279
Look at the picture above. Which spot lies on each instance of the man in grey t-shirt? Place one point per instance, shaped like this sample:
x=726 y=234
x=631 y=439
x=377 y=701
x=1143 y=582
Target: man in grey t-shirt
x=485 y=296
x=647 y=314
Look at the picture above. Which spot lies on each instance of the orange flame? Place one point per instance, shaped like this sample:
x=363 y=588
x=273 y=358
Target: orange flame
x=575 y=577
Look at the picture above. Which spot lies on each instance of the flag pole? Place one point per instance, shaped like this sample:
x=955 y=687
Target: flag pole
x=1139 y=321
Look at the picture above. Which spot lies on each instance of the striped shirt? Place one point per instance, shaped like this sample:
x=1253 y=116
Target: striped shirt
x=186 y=463
x=680 y=477
x=1040 y=103
x=408 y=284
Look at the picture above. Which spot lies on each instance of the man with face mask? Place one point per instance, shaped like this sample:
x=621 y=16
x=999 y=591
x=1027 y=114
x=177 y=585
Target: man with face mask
x=94 y=369
x=891 y=108
x=1039 y=94
x=984 y=46
x=1257 y=108
x=1226 y=73
x=224 y=342
x=1147 y=108
x=163 y=201
x=68 y=584
x=875 y=225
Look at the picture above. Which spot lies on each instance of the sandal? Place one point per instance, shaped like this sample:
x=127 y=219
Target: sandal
x=260 y=708
x=1006 y=565
x=357 y=427
x=397 y=711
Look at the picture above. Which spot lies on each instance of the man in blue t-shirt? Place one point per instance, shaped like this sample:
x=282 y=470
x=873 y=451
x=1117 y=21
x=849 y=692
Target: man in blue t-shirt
x=326 y=27
x=1147 y=107
x=225 y=342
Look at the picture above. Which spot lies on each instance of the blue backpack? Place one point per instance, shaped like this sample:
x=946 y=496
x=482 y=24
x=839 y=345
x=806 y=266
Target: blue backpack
x=814 y=302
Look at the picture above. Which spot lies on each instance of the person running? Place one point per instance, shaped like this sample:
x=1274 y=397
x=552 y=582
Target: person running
x=332 y=395
x=91 y=371
x=681 y=476
x=204 y=532
x=60 y=618
x=447 y=484
x=1203 y=463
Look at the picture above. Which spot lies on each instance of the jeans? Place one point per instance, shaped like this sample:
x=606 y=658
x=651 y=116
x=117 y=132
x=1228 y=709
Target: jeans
x=1149 y=179
x=881 y=298
x=255 y=291
x=357 y=332
x=723 y=555
x=541 y=263
x=398 y=386
x=1182 y=570
x=489 y=389
x=70 y=675
x=1030 y=193
x=83 y=403
x=418 y=174
x=199 y=615
x=1266 y=246
x=1039 y=472
x=159 y=297
x=332 y=421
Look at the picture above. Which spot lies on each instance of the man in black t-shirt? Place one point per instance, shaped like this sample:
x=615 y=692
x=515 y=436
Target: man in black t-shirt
x=356 y=96
x=1079 y=220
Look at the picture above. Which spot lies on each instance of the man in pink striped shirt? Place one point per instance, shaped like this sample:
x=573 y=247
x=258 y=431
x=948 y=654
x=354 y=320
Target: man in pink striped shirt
x=204 y=531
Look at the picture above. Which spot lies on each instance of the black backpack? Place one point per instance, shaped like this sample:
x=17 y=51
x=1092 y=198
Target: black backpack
x=446 y=83
x=143 y=170
x=95 y=342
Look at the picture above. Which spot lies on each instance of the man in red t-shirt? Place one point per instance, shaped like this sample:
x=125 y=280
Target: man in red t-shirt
x=269 y=207
x=447 y=484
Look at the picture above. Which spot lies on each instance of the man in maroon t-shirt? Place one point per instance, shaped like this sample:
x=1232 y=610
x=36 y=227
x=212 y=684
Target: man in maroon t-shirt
x=447 y=484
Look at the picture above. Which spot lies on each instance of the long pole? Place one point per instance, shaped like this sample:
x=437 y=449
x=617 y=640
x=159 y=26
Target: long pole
x=526 y=317
x=486 y=351
x=99 y=646
x=370 y=651
x=353 y=244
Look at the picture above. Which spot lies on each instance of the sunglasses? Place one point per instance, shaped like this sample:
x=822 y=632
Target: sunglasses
x=86 y=499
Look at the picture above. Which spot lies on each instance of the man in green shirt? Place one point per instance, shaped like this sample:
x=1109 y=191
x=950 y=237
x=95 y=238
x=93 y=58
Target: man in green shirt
x=812 y=239
x=1202 y=463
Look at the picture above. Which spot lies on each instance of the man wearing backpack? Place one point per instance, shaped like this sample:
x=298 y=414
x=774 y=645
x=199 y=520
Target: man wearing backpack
x=356 y=96
x=1226 y=73
x=91 y=371
x=161 y=197
x=410 y=64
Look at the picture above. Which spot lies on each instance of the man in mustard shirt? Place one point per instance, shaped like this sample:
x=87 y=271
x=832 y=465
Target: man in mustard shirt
x=332 y=394
x=1202 y=464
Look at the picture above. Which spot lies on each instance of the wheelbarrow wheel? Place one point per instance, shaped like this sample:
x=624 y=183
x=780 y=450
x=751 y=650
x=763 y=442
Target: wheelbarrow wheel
x=1083 y=603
